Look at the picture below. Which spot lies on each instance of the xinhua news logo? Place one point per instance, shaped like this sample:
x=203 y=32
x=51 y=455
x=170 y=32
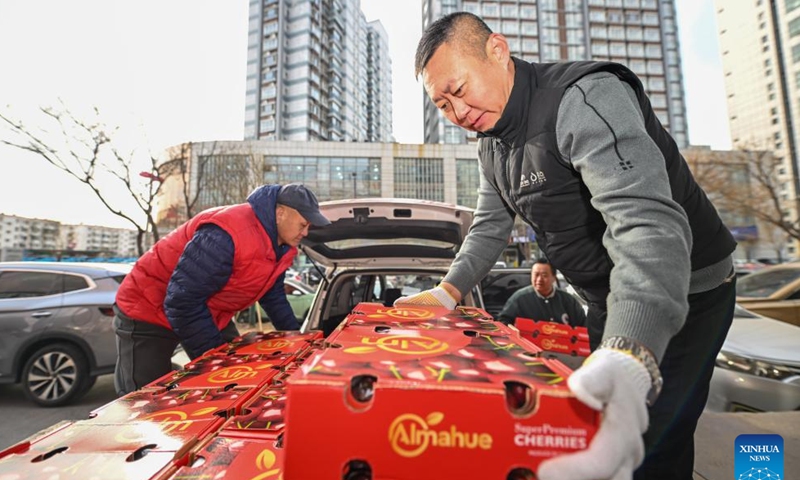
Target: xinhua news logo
x=759 y=457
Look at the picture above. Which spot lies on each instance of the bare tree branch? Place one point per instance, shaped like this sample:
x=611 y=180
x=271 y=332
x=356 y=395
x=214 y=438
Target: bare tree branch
x=86 y=152
x=749 y=187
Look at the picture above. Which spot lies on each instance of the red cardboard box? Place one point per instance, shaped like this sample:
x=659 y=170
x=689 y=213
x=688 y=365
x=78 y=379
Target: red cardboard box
x=135 y=451
x=270 y=343
x=407 y=316
x=195 y=412
x=235 y=458
x=555 y=337
x=533 y=328
x=435 y=403
x=562 y=345
x=262 y=416
x=220 y=370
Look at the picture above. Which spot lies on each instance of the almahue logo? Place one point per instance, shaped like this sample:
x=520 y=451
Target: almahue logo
x=410 y=435
x=758 y=457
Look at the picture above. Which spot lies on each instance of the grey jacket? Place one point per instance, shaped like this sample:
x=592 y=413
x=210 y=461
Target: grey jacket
x=652 y=276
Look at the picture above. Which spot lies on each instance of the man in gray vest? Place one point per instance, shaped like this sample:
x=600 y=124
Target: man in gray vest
x=577 y=152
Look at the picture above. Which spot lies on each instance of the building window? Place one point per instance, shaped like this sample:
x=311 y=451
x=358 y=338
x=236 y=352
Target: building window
x=652 y=35
x=420 y=178
x=490 y=10
x=598 y=31
x=509 y=27
x=791 y=5
x=510 y=11
x=527 y=13
x=472 y=7
x=649 y=18
x=467 y=179
x=331 y=178
x=794 y=27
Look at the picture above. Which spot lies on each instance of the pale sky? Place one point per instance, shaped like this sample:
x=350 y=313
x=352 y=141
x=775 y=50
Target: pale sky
x=172 y=71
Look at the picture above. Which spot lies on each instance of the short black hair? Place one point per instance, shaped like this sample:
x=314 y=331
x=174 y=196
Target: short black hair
x=471 y=30
x=544 y=261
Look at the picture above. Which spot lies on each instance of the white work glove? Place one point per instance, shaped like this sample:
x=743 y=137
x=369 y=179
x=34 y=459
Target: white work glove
x=617 y=384
x=435 y=297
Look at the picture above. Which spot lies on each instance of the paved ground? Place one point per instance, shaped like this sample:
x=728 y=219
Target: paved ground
x=716 y=433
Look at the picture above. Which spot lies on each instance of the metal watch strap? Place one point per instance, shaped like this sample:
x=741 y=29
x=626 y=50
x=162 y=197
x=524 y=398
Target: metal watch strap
x=644 y=355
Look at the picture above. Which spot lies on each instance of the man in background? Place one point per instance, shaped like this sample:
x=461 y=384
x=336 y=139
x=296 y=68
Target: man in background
x=542 y=300
x=189 y=285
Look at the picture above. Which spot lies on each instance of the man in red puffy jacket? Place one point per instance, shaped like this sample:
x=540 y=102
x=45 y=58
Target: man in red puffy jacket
x=187 y=288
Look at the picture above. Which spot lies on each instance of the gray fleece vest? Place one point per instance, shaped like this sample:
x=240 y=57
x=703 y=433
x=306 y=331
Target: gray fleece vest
x=521 y=160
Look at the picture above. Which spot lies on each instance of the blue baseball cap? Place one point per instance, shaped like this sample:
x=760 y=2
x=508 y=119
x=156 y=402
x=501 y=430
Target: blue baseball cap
x=297 y=196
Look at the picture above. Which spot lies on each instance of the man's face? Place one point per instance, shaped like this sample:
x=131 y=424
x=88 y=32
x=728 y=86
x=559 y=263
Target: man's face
x=542 y=279
x=470 y=90
x=292 y=227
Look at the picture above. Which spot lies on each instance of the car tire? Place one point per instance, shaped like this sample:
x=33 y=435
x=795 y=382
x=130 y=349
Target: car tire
x=87 y=385
x=55 y=375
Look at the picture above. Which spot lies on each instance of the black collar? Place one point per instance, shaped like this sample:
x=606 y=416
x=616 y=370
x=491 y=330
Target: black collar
x=513 y=122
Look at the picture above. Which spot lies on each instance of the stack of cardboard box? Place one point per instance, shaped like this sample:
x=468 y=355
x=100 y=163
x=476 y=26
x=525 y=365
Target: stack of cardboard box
x=393 y=392
x=427 y=393
x=230 y=399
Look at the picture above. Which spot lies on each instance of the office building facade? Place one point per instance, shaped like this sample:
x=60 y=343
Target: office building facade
x=641 y=34
x=316 y=70
x=335 y=170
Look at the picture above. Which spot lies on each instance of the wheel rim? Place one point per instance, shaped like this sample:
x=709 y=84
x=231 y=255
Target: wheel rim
x=52 y=375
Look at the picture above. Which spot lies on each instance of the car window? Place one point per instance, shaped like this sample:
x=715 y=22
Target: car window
x=764 y=284
x=29 y=284
x=498 y=285
x=74 y=282
x=118 y=278
x=411 y=284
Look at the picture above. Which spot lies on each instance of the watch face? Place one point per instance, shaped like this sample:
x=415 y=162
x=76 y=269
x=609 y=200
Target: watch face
x=643 y=354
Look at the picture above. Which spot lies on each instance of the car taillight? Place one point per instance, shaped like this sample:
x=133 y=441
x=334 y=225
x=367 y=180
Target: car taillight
x=107 y=311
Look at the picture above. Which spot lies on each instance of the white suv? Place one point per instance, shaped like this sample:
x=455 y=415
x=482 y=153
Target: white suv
x=379 y=249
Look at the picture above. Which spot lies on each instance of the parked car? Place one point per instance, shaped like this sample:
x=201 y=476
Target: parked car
x=379 y=249
x=772 y=291
x=56 y=333
x=500 y=283
x=758 y=368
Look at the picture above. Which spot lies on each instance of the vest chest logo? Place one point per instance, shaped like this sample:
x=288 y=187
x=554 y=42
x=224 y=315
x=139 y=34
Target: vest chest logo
x=534 y=179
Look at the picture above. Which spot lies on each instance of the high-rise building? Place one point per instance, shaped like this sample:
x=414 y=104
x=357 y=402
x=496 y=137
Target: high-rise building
x=316 y=70
x=760 y=45
x=640 y=34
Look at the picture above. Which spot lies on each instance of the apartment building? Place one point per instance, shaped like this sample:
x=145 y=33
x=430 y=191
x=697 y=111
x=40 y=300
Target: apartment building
x=760 y=46
x=641 y=34
x=316 y=70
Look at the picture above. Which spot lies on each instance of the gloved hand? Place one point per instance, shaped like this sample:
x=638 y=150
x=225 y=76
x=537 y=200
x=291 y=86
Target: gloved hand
x=617 y=384
x=435 y=297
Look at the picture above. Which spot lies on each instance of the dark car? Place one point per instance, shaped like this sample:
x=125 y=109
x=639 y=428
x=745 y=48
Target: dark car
x=500 y=283
x=56 y=332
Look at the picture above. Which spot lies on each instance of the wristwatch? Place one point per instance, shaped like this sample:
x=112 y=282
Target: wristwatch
x=642 y=354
